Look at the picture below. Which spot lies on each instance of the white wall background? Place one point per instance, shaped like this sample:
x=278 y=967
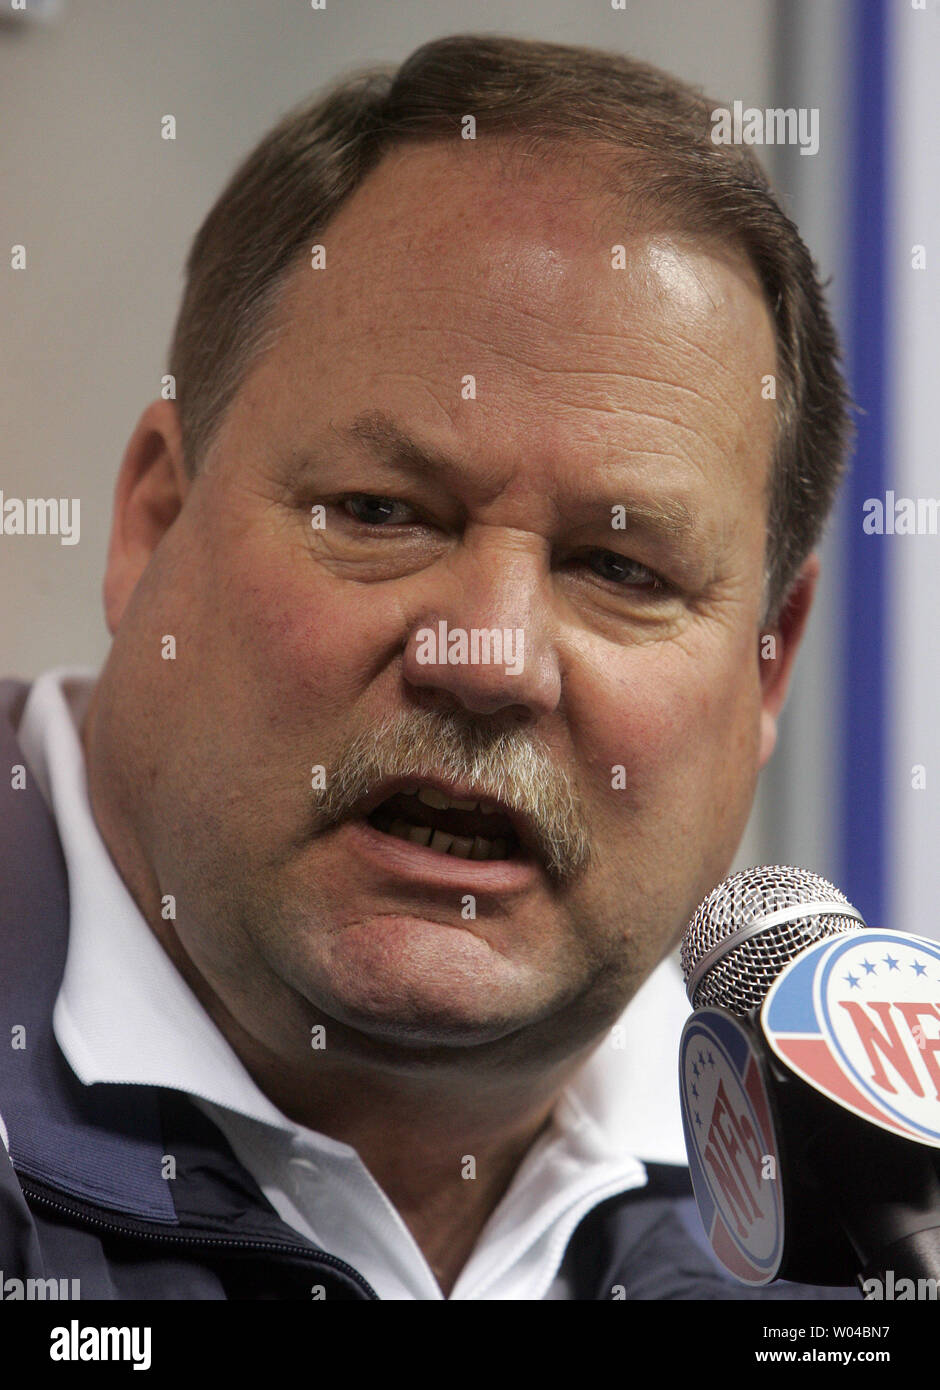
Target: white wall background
x=796 y=814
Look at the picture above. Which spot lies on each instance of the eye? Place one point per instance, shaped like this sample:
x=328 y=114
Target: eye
x=377 y=511
x=620 y=569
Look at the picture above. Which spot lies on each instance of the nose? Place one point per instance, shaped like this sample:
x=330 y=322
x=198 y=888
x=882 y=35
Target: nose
x=486 y=639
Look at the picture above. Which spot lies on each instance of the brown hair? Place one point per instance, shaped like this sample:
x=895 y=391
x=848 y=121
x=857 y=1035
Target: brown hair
x=654 y=130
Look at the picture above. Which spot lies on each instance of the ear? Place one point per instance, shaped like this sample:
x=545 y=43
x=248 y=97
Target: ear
x=777 y=651
x=151 y=488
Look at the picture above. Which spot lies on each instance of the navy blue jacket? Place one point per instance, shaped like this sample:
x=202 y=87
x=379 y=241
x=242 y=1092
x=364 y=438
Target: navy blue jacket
x=82 y=1192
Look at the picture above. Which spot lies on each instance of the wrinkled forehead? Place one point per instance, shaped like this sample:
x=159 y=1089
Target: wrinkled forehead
x=508 y=311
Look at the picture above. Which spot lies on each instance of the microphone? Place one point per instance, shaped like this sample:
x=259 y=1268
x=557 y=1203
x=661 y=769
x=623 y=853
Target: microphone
x=810 y=1085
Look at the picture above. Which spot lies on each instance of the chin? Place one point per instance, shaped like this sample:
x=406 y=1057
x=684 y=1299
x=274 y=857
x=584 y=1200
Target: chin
x=423 y=1020
x=425 y=986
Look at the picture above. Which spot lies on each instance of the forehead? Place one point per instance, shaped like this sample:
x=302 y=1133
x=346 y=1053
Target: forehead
x=578 y=325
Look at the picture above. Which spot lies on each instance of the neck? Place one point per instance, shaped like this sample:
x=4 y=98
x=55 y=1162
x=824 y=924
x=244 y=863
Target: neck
x=443 y=1142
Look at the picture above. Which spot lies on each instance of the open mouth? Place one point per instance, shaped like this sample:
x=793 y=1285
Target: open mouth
x=464 y=829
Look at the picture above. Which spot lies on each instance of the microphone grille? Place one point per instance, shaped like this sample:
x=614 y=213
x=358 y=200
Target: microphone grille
x=751 y=926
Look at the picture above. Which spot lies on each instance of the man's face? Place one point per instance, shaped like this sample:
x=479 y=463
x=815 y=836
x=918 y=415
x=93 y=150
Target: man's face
x=599 y=395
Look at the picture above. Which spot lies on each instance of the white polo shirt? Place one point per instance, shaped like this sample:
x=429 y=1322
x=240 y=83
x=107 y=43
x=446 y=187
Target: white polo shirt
x=125 y=1014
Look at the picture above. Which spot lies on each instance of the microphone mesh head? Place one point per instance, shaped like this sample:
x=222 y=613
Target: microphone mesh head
x=728 y=960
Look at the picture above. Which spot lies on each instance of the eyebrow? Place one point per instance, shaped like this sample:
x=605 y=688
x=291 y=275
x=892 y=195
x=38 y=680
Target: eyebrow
x=385 y=438
x=381 y=435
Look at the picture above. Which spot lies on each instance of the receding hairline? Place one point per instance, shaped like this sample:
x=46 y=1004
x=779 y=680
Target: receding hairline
x=647 y=218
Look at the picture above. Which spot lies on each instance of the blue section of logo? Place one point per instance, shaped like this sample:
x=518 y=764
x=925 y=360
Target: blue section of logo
x=790 y=1010
x=726 y=1030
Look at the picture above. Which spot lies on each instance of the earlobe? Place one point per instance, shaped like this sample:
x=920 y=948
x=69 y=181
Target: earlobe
x=151 y=487
x=768 y=736
x=777 y=652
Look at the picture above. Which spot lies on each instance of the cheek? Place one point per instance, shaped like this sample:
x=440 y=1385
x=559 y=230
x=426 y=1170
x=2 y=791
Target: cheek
x=682 y=723
x=303 y=638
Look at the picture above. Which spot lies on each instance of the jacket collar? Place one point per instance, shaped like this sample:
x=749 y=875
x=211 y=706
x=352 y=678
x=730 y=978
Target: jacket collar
x=98 y=1143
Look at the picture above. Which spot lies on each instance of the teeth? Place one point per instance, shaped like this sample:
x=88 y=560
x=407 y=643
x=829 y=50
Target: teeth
x=460 y=846
x=442 y=802
x=432 y=797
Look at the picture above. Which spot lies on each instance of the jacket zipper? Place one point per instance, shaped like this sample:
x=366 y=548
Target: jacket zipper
x=128 y=1228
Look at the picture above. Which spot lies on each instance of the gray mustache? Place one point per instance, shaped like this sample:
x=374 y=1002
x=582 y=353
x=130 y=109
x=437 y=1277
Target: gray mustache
x=505 y=764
